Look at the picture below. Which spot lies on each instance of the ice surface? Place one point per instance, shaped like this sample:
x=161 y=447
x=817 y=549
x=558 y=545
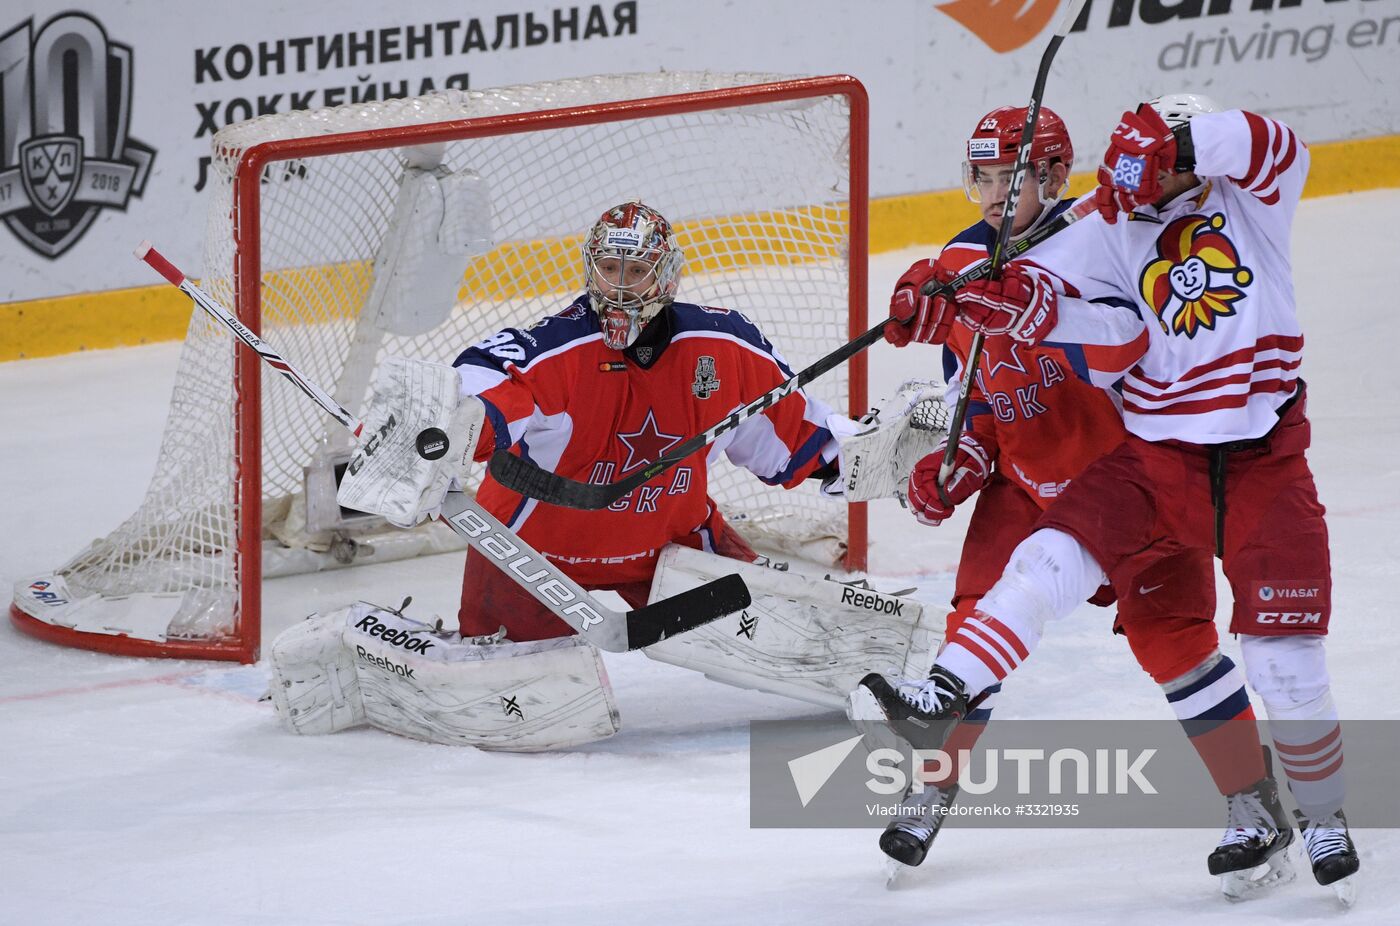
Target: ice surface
x=152 y=792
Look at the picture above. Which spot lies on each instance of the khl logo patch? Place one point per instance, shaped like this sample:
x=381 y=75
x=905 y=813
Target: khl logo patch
x=64 y=119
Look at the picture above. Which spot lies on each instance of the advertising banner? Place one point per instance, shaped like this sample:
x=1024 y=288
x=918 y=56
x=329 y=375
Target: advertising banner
x=107 y=108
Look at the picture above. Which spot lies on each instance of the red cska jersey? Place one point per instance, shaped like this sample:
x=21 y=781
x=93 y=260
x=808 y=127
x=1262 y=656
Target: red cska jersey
x=557 y=395
x=1048 y=410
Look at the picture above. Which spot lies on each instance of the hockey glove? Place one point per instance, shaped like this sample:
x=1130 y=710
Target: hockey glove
x=921 y=318
x=972 y=464
x=1142 y=147
x=1022 y=304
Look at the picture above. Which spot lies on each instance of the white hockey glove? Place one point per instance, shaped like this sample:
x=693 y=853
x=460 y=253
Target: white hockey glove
x=878 y=451
x=417 y=407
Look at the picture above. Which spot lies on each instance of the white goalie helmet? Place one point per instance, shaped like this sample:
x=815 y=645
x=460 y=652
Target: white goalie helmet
x=633 y=265
x=1177 y=108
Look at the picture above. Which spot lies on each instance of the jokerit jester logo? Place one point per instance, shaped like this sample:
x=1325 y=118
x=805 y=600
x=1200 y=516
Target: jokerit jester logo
x=1196 y=277
x=65 y=151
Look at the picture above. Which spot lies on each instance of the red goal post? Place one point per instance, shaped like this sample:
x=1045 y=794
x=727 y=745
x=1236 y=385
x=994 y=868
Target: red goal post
x=319 y=226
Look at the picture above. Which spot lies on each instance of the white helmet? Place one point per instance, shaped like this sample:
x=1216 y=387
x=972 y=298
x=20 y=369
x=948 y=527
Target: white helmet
x=626 y=299
x=1176 y=109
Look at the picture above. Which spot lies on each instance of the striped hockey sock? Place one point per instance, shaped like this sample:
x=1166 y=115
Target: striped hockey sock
x=984 y=650
x=1213 y=708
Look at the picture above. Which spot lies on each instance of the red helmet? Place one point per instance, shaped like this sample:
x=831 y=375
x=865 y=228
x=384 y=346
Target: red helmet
x=998 y=135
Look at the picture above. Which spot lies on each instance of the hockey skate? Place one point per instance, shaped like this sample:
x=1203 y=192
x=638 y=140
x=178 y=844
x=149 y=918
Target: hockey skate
x=908 y=837
x=1332 y=853
x=1253 y=853
x=916 y=715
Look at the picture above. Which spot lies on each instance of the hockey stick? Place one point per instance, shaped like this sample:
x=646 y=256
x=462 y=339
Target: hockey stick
x=1001 y=252
x=521 y=475
x=617 y=631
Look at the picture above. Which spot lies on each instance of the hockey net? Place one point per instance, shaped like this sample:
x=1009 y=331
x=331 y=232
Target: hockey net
x=417 y=227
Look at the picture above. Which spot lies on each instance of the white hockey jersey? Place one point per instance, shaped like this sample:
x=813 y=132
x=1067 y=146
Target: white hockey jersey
x=1211 y=278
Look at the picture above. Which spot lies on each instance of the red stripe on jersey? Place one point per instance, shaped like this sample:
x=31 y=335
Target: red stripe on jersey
x=1270 y=342
x=1258 y=149
x=1005 y=632
x=1116 y=358
x=1267 y=175
x=1305 y=749
x=1285 y=149
x=983 y=636
x=1276 y=363
x=1234 y=400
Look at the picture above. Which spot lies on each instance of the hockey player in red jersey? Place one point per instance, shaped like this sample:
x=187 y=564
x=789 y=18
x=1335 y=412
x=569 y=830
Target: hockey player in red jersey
x=608 y=385
x=1039 y=413
x=1196 y=208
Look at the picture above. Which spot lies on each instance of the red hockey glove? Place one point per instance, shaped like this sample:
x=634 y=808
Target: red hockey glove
x=972 y=464
x=1142 y=146
x=1022 y=304
x=921 y=318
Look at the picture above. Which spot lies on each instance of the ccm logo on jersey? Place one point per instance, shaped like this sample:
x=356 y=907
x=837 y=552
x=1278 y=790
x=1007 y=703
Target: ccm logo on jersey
x=876 y=603
x=1288 y=617
x=388 y=665
x=403 y=639
x=1289 y=591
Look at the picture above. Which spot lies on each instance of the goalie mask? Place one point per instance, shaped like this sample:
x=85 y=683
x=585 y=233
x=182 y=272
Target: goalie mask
x=632 y=265
x=994 y=143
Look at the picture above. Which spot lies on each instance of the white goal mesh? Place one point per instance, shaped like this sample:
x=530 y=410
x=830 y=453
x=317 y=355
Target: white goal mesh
x=758 y=187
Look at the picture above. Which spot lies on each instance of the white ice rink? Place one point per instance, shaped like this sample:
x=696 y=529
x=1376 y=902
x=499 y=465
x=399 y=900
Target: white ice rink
x=155 y=792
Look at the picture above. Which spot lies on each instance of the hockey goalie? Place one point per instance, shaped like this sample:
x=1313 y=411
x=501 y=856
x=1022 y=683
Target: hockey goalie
x=593 y=393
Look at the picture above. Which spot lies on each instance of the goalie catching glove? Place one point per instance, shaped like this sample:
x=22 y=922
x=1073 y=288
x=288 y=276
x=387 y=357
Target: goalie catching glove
x=419 y=436
x=878 y=451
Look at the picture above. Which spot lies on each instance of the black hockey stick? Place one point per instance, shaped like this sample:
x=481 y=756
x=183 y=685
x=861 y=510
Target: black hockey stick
x=521 y=475
x=602 y=627
x=1002 y=251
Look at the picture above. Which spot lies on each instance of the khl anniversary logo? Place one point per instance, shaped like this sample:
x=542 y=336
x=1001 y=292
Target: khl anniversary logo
x=65 y=151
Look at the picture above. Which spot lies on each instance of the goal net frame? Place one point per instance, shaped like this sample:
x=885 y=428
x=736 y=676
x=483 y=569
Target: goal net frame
x=243 y=643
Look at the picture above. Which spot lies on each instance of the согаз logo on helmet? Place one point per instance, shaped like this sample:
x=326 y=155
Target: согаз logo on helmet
x=66 y=154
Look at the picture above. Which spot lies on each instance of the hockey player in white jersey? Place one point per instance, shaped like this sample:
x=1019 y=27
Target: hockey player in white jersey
x=1196 y=207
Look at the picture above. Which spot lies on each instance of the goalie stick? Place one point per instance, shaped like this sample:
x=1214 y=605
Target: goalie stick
x=616 y=631
x=1002 y=251
x=524 y=476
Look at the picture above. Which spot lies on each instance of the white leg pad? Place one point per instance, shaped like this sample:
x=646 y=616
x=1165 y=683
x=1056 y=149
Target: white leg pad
x=805 y=638
x=514 y=697
x=315 y=688
x=1048 y=576
x=1289 y=673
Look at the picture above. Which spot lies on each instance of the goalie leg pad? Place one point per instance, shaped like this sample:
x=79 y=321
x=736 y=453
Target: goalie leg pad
x=806 y=639
x=395 y=474
x=315 y=688
x=514 y=697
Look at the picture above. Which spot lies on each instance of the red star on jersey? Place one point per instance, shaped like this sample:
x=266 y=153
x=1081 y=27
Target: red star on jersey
x=1000 y=352
x=647 y=443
